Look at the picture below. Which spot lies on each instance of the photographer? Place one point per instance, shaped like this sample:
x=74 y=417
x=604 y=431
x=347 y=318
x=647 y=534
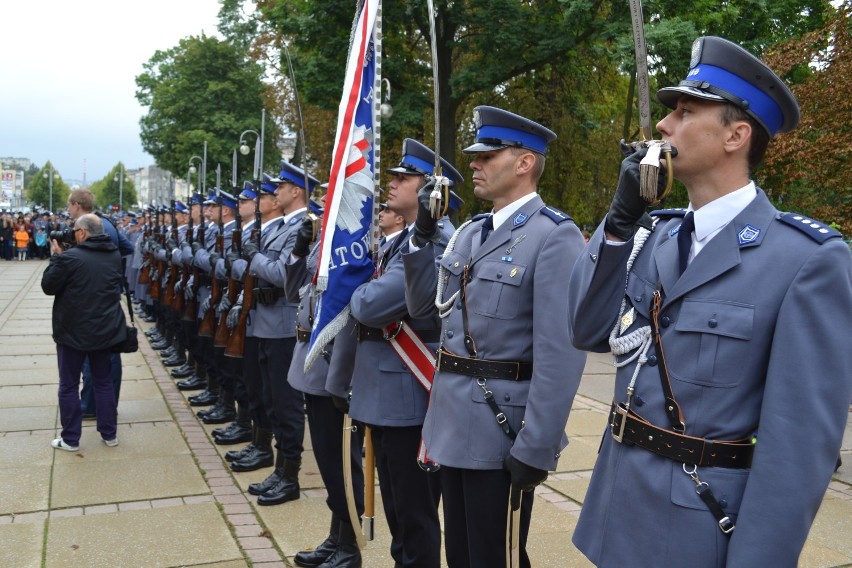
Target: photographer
x=87 y=322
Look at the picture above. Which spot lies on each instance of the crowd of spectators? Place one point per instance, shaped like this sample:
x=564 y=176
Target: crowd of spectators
x=25 y=237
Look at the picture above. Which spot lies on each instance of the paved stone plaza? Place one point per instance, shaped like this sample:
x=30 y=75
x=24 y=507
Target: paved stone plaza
x=165 y=497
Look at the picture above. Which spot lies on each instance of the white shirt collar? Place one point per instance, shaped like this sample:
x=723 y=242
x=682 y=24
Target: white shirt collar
x=713 y=217
x=500 y=216
x=292 y=214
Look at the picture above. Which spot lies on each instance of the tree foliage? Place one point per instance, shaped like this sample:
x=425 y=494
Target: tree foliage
x=112 y=191
x=204 y=90
x=807 y=170
x=38 y=190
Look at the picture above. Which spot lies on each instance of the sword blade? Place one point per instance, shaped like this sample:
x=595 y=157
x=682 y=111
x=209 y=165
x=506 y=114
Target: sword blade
x=348 y=486
x=643 y=88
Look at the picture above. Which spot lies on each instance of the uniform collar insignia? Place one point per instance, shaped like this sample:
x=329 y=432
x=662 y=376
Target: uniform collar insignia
x=748 y=235
x=519 y=219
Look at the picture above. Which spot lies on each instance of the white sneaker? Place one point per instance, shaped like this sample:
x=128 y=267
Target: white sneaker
x=111 y=443
x=60 y=444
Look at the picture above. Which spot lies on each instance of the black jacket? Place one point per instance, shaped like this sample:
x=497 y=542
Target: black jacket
x=86 y=281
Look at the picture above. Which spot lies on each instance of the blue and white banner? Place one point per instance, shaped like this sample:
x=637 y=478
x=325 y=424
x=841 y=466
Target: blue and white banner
x=344 y=259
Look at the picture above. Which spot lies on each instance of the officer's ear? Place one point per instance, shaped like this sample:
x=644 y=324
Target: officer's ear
x=524 y=162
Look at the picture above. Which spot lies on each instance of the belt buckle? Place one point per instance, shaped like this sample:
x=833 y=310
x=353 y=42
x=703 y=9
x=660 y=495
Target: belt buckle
x=621 y=410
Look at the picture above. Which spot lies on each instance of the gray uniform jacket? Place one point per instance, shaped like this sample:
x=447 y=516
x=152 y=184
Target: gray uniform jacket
x=201 y=261
x=299 y=274
x=756 y=335
x=517 y=311
x=279 y=319
x=384 y=392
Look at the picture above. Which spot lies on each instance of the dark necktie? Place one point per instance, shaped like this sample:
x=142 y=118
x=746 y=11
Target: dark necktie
x=684 y=240
x=487 y=227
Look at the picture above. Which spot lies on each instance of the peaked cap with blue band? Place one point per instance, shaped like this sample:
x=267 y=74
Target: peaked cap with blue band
x=180 y=207
x=296 y=176
x=248 y=192
x=497 y=129
x=196 y=199
x=418 y=159
x=268 y=184
x=723 y=71
x=227 y=199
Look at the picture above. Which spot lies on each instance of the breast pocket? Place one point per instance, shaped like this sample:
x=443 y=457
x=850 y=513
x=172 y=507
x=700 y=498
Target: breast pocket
x=711 y=342
x=498 y=289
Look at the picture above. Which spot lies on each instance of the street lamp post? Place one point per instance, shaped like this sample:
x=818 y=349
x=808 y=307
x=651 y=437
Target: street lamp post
x=49 y=177
x=257 y=169
x=119 y=177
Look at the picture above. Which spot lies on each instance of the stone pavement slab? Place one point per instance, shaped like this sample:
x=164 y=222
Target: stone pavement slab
x=165 y=496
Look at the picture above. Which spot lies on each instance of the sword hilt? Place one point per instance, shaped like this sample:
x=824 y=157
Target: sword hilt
x=439 y=199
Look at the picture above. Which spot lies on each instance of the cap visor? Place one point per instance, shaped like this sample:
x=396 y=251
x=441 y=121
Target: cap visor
x=670 y=95
x=480 y=147
x=406 y=171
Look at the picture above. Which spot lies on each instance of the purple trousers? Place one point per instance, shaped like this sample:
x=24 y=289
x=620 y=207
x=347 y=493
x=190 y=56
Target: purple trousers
x=70 y=415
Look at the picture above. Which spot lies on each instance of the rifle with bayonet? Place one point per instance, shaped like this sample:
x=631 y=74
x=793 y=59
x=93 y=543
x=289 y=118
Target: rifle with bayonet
x=144 y=270
x=169 y=299
x=191 y=309
x=156 y=272
x=207 y=327
x=223 y=334
x=236 y=343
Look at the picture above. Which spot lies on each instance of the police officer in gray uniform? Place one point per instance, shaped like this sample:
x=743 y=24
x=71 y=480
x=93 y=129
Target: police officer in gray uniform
x=733 y=388
x=507 y=373
x=385 y=393
x=274 y=324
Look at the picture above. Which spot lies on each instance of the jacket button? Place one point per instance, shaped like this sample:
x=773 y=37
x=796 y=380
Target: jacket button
x=449 y=333
x=458 y=305
x=665 y=321
x=713 y=323
x=638 y=299
x=723 y=503
x=638 y=400
x=499 y=275
x=507 y=398
x=652 y=360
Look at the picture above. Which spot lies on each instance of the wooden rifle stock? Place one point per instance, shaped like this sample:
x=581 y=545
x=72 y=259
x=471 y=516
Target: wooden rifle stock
x=207 y=328
x=182 y=277
x=223 y=334
x=236 y=344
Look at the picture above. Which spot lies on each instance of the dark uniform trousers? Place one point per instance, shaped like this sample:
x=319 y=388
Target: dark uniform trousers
x=477 y=490
x=411 y=512
x=285 y=406
x=326 y=426
x=253 y=385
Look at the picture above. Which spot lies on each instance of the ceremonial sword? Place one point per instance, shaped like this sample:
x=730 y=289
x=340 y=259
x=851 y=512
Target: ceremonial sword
x=439 y=200
x=649 y=167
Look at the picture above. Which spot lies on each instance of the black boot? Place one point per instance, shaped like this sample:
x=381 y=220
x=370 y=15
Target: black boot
x=315 y=557
x=238 y=432
x=183 y=372
x=212 y=397
x=347 y=555
x=234 y=455
x=261 y=456
x=222 y=413
x=287 y=488
x=192 y=383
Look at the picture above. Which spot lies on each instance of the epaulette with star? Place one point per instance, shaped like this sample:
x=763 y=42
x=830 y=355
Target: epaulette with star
x=814 y=229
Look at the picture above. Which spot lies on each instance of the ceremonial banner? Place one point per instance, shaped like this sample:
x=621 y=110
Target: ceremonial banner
x=344 y=259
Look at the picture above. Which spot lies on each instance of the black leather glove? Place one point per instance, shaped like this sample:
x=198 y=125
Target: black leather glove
x=524 y=478
x=304 y=238
x=340 y=403
x=628 y=208
x=196 y=246
x=213 y=259
x=249 y=250
x=425 y=226
x=229 y=260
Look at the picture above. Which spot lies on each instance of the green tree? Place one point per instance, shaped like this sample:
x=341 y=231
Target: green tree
x=203 y=90
x=39 y=188
x=112 y=191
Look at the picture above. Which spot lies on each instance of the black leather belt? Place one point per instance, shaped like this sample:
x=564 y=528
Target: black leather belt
x=628 y=427
x=510 y=370
x=267 y=296
x=303 y=335
x=365 y=333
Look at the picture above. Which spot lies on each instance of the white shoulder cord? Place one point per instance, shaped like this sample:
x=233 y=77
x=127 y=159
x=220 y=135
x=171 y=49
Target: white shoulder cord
x=639 y=338
x=446 y=307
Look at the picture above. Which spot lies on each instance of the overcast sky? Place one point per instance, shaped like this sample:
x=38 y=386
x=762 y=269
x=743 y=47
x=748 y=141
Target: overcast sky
x=67 y=79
